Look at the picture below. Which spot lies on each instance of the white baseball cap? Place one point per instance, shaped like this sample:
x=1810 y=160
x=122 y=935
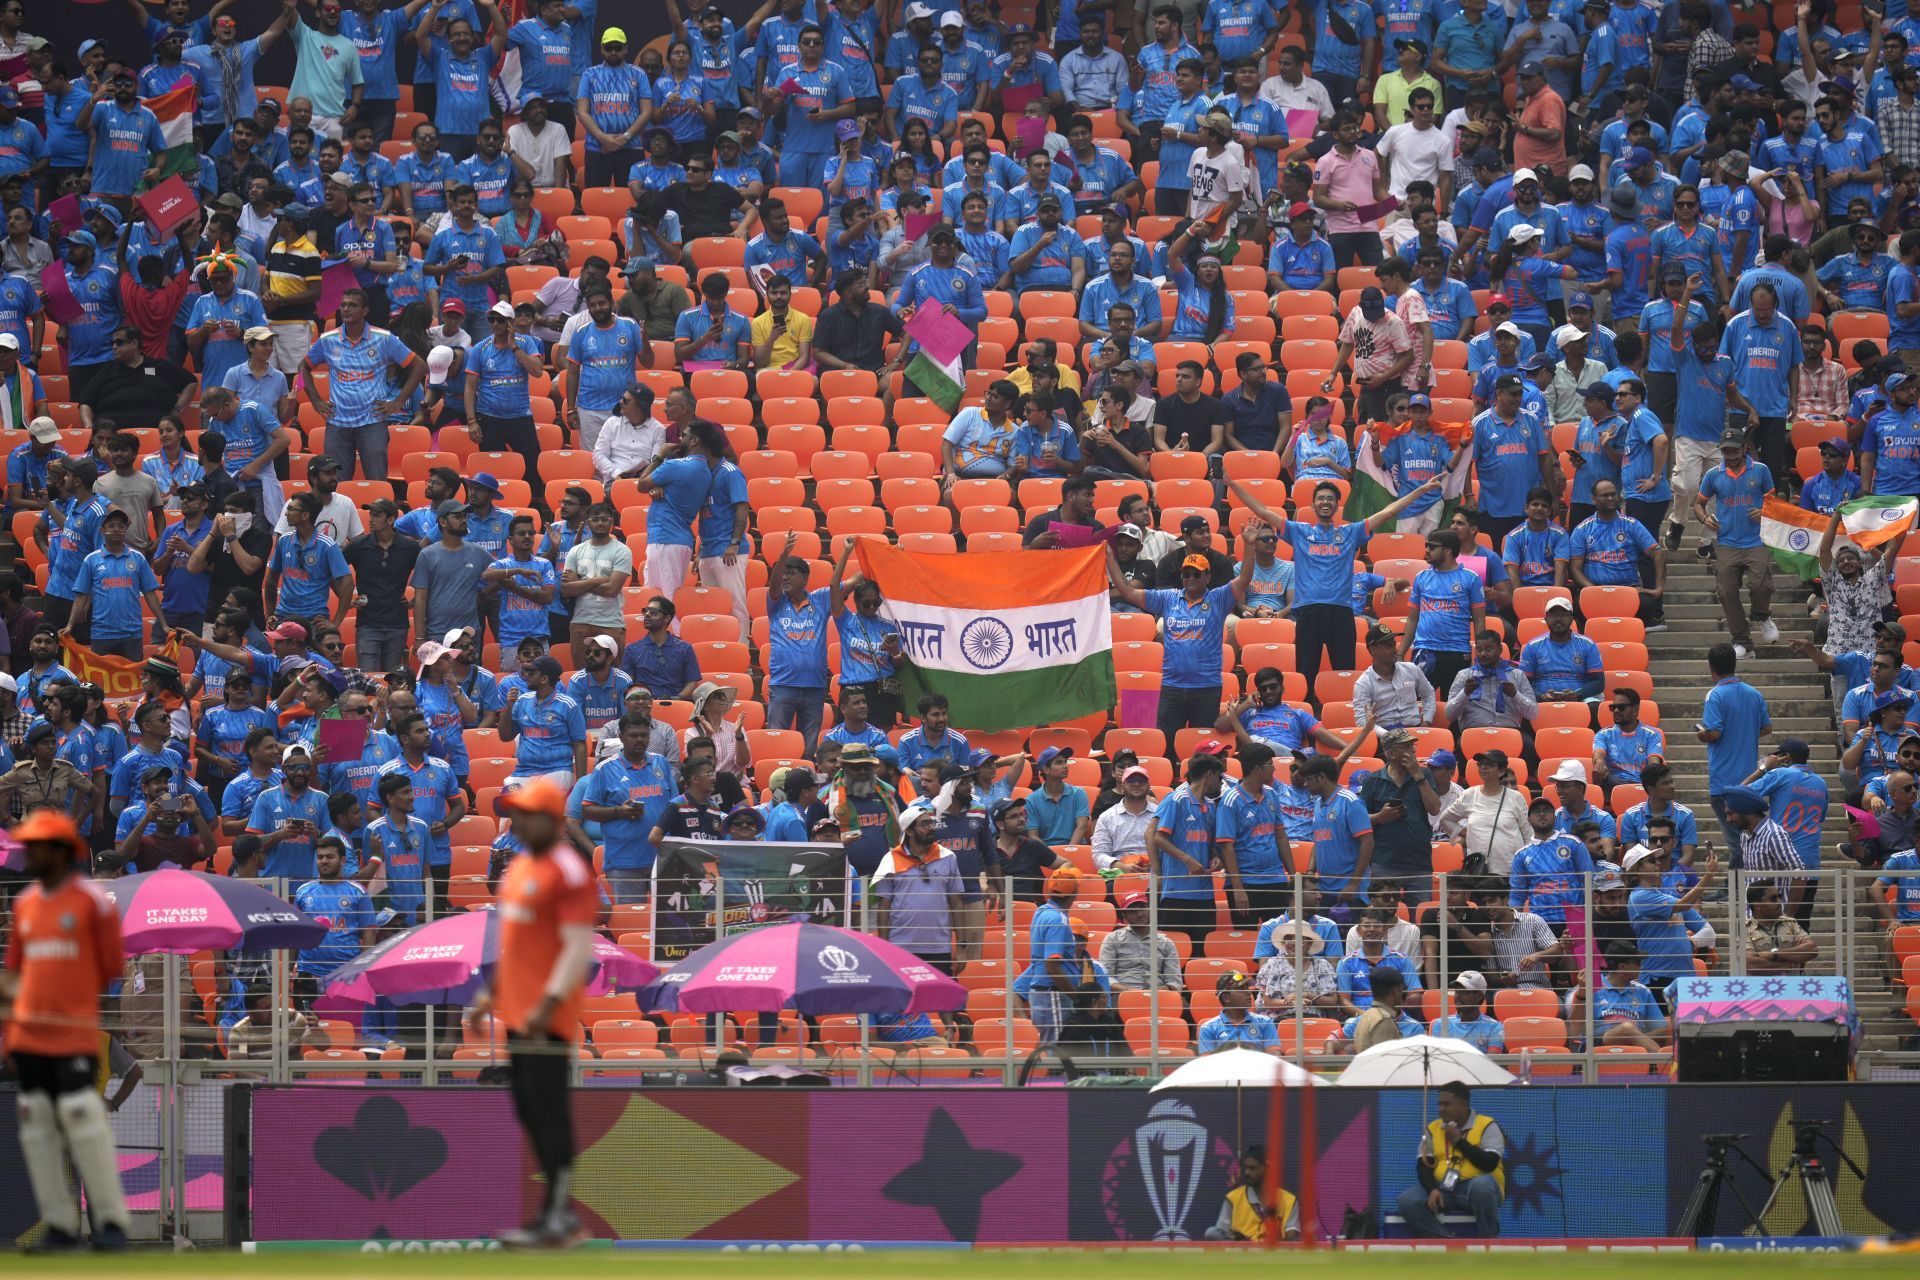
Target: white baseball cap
x=1512 y=328
x=1638 y=854
x=1578 y=172
x=1523 y=233
x=603 y=642
x=439 y=360
x=1569 y=333
x=1524 y=175
x=1570 y=771
x=1558 y=602
x=1471 y=980
x=952 y=18
x=501 y=309
x=917 y=10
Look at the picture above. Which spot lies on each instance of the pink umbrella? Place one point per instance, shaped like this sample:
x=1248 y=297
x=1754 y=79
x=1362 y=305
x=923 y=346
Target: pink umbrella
x=814 y=968
x=447 y=961
x=181 y=912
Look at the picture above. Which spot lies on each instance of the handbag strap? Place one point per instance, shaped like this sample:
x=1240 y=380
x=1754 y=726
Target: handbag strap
x=1494 y=830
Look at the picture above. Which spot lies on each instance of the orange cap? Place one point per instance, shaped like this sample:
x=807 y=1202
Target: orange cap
x=50 y=824
x=1064 y=880
x=1198 y=562
x=1078 y=926
x=538 y=796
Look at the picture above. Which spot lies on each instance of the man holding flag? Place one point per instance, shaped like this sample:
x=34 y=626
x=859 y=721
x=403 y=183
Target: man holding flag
x=127 y=142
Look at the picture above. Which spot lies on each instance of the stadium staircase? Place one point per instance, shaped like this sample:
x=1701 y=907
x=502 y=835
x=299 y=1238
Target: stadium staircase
x=1801 y=704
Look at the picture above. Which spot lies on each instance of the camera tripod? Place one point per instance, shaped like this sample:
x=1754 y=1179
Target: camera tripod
x=1816 y=1177
x=1807 y=1164
x=1702 y=1213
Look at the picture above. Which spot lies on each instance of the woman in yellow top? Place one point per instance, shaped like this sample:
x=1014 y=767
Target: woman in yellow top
x=1390 y=91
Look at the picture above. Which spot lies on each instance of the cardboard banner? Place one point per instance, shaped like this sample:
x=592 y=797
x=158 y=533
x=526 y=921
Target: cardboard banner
x=168 y=205
x=755 y=885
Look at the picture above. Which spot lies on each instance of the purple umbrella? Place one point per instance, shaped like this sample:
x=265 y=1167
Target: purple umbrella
x=181 y=912
x=447 y=961
x=812 y=968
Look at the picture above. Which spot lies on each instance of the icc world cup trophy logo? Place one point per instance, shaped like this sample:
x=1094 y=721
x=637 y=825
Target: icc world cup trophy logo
x=1154 y=1179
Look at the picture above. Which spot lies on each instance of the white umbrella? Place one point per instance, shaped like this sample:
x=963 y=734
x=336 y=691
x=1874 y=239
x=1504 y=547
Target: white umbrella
x=1424 y=1061
x=1236 y=1068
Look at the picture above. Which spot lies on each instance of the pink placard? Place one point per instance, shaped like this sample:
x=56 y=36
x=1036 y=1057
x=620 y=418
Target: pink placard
x=1302 y=123
x=65 y=214
x=1378 y=209
x=1014 y=98
x=62 y=307
x=1078 y=535
x=342 y=740
x=334 y=281
x=915 y=225
x=941 y=336
x=1030 y=135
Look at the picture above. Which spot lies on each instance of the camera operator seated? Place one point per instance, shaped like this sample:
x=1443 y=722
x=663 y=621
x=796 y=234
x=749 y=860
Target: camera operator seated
x=150 y=828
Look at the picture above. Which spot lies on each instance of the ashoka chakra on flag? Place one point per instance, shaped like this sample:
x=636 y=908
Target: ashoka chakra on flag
x=1012 y=638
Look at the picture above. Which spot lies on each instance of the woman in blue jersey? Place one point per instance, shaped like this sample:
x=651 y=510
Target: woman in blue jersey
x=1204 y=312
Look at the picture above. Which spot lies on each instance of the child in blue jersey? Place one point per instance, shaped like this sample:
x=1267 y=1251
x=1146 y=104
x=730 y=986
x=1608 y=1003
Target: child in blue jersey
x=1044 y=446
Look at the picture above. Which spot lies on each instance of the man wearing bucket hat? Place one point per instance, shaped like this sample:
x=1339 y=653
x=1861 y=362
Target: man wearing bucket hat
x=66 y=949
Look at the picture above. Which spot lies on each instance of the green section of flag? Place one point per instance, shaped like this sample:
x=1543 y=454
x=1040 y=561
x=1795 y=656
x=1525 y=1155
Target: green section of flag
x=941 y=385
x=1022 y=699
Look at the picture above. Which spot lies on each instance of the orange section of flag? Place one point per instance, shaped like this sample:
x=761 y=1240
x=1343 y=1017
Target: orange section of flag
x=117 y=677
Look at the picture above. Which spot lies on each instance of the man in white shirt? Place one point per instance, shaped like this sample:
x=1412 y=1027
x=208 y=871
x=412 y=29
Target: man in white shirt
x=541 y=151
x=1121 y=831
x=1417 y=149
x=630 y=438
x=339 y=518
x=1293 y=90
x=1391 y=693
x=1218 y=171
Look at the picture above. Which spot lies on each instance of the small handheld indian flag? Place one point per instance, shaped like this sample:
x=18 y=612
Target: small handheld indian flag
x=1793 y=533
x=1012 y=638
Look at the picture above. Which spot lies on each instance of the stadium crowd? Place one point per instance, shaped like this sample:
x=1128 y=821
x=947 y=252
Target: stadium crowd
x=519 y=394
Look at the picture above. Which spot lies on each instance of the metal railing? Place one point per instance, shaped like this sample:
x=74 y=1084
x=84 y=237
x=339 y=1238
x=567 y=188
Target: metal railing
x=993 y=1039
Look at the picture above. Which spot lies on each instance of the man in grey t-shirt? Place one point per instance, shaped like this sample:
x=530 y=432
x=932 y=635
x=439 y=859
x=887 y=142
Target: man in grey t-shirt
x=131 y=489
x=446 y=578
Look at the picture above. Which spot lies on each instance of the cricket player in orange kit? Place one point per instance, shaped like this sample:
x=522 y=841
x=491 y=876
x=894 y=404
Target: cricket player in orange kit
x=547 y=910
x=64 y=951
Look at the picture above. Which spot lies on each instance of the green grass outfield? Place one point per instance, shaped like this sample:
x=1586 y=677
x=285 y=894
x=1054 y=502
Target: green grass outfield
x=1139 y=1265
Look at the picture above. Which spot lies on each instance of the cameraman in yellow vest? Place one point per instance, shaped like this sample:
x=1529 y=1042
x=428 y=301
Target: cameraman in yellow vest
x=1460 y=1169
x=1242 y=1216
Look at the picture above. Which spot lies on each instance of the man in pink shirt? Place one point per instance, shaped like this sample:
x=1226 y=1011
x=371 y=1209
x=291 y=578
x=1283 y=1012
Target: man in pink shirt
x=1540 y=138
x=1346 y=180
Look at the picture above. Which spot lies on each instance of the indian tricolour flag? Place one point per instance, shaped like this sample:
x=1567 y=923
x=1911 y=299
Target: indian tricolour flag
x=1373 y=486
x=1012 y=638
x=944 y=384
x=175 y=110
x=1793 y=533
